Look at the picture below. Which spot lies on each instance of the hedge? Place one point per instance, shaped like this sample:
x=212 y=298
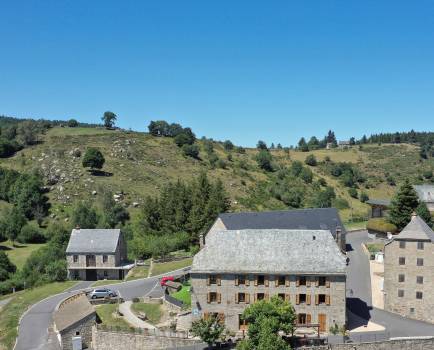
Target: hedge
x=381 y=225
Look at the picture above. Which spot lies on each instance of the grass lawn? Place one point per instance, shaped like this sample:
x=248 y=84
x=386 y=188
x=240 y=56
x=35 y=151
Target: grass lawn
x=160 y=268
x=19 y=254
x=106 y=314
x=184 y=295
x=374 y=247
x=153 y=311
x=361 y=225
x=138 y=272
x=105 y=282
x=21 y=301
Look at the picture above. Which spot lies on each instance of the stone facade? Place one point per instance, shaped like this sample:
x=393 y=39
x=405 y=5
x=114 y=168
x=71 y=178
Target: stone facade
x=404 y=280
x=304 y=295
x=82 y=328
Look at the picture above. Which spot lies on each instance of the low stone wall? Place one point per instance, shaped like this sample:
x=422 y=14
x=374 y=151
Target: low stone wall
x=401 y=344
x=115 y=340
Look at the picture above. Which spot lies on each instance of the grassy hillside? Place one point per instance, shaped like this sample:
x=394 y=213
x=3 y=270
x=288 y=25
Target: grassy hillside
x=138 y=164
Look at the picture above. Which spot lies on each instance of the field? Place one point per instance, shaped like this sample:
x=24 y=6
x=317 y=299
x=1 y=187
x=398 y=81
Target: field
x=137 y=273
x=153 y=311
x=19 y=253
x=107 y=315
x=11 y=313
x=161 y=268
x=184 y=294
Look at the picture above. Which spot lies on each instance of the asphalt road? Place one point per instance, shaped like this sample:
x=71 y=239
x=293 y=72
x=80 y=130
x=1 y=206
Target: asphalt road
x=359 y=297
x=33 y=331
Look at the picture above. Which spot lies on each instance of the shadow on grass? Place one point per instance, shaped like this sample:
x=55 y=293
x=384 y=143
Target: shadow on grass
x=100 y=173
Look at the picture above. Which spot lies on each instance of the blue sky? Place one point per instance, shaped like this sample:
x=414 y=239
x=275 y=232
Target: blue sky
x=239 y=70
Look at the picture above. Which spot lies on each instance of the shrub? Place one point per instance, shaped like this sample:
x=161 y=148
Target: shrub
x=264 y=159
x=353 y=192
x=427 y=174
x=72 y=123
x=311 y=160
x=380 y=225
x=221 y=164
x=8 y=148
x=93 y=159
x=213 y=159
x=30 y=234
x=191 y=151
x=306 y=175
x=186 y=137
x=363 y=197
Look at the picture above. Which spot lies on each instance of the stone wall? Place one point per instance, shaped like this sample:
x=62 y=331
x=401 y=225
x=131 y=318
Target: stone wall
x=110 y=340
x=82 y=328
x=407 y=344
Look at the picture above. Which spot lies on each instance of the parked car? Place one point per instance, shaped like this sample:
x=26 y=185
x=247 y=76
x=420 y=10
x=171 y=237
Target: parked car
x=102 y=293
x=165 y=279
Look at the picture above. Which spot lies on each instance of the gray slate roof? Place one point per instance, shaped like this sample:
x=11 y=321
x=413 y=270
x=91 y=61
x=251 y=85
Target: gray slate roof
x=270 y=251
x=382 y=202
x=72 y=312
x=417 y=229
x=425 y=192
x=93 y=241
x=299 y=219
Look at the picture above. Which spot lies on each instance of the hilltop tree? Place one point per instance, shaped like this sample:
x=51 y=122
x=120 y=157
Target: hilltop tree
x=158 y=128
x=261 y=145
x=228 y=145
x=331 y=138
x=404 y=203
x=313 y=143
x=93 y=159
x=186 y=137
x=423 y=212
x=109 y=119
x=72 y=123
x=302 y=145
x=352 y=141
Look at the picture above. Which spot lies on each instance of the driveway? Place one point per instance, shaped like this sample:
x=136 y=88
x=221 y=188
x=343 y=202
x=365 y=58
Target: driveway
x=33 y=331
x=359 y=299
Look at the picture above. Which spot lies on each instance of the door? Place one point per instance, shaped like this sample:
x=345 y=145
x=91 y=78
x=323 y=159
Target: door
x=90 y=275
x=322 y=320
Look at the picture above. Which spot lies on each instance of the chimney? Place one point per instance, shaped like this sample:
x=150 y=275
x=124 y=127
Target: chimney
x=77 y=227
x=338 y=233
x=413 y=214
x=201 y=240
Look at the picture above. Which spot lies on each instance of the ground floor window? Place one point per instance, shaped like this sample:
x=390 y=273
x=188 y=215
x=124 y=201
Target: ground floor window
x=260 y=296
x=105 y=274
x=243 y=325
x=303 y=319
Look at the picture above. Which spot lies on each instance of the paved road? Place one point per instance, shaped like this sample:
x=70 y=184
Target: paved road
x=359 y=298
x=33 y=332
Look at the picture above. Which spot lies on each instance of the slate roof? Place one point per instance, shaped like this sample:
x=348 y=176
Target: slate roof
x=382 y=202
x=425 y=192
x=417 y=229
x=93 y=241
x=270 y=251
x=72 y=312
x=299 y=219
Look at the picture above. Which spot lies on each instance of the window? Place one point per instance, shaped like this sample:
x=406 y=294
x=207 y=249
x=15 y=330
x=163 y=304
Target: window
x=104 y=259
x=77 y=333
x=321 y=299
x=241 y=279
x=212 y=279
x=402 y=244
x=302 y=280
x=75 y=258
x=412 y=310
x=401 y=278
x=401 y=260
x=242 y=324
x=260 y=296
x=419 y=262
x=302 y=298
x=241 y=297
x=419 y=295
x=322 y=281
x=420 y=245
x=281 y=281
x=212 y=297
x=105 y=274
x=302 y=318
x=260 y=280
x=419 y=279
x=400 y=293
x=281 y=296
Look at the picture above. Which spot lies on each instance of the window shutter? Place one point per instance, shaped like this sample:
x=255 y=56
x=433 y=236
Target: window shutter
x=237 y=281
x=219 y=298
x=208 y=282
x=307 y=281
x=317 y=282
x=328 y=299
x=287 y=281
x=247 y=298
x=219 y=280
x=327 y=283
x=287 y=297
x=206 y=315
x=236 y=298
x=316 y=299
x=276 y=281
x=208 y=297
x=297 y=282
x=221 y=317
x=297 y=299
x=308 y=299
x=308 y=319
x=247 y=279
x=266 y=280
x=256 y=281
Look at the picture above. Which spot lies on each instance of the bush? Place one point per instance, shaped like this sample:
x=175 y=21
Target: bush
x=264 y=159
x=30 y=234
x=306 y=175
x=93 y=158
x=353 y=192
x=186 y=137
x=427 y=174
x=311 y=160
x=363 y=197
x=191 y=151
x=221 y=164
x=8 y=148
x=380 y=225
x=72 y=123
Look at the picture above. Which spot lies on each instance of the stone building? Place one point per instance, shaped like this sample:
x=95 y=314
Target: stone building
x=409 y=272
x=426 y=194
x=379 y=207
x=73 y=321
x=299 y=219
x=94 y=254
x=237 y=268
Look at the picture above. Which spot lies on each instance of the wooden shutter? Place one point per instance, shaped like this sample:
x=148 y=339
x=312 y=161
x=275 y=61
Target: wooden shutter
x=237 y=281
x=297 y=299
x=276 y=281
x=317 y=282
x=219 y=298
x=308 y=319
x=208 y=281
x=308 y=299
x=316 y=299
x=219 y=280
x=247 y=298
x=297 y=282
x=206 y=315
x=287 y=281
x=256 y=281
x=208 y=297
x=221 y=317
x=307 y=281
x=236 y=298
x=328 y=299
x=266 y=278
x=327 y=282
x=287 y=297
x=247 y=279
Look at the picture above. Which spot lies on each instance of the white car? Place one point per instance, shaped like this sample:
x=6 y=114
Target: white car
x=102 y=293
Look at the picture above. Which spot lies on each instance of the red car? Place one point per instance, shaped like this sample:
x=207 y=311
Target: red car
x=165 y=279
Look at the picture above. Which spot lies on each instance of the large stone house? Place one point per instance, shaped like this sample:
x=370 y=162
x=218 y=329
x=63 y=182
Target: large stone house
x=409 y=272
x=94 y=254
x=426 y=194
x=299 y=219
x=237 y=268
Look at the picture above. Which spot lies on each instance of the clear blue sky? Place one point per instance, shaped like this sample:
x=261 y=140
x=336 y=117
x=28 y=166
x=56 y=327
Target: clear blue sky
x=239 y=70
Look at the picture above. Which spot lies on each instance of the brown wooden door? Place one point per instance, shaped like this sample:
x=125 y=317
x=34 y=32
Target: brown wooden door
x=322 y=320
